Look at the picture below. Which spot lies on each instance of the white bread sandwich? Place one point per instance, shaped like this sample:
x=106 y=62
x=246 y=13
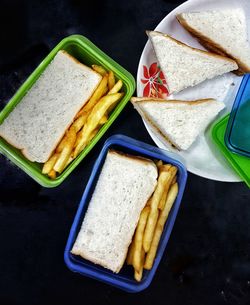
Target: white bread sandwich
x=37 y=124
x=178 y=123
x=123 y=188
x=184 y=66
x=222 y=31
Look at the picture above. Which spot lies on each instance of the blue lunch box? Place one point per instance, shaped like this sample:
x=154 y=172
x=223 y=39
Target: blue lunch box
x=125 y=278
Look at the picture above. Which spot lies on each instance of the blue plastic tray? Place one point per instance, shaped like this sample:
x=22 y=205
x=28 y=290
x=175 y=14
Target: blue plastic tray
x=237 y=136
x=124 y=279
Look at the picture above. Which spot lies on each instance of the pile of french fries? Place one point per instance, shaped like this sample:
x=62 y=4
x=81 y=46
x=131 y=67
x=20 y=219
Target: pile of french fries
x=87 y=123
x=142 y=251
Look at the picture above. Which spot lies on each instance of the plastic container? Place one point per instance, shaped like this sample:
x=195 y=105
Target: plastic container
x=240 y=164
x=86 y=52
x=124 y=279
x=237 y=136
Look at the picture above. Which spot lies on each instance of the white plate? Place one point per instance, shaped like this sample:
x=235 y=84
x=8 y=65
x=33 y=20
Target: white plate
x=202 y=159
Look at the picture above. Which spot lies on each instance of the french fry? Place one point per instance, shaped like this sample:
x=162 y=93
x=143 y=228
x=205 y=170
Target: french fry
x=52 y=174
x=77 y=124
x=150 y=257
x=139 y=237
x=104 y=119
x=130 y=254
x=138 y=274
x=165 y=167
x=159 y=163
x=148 y=204
x=111 y=80
x=79 y=113
x=172 y=173
x=92 y=135
x=80 y=121
x=162 y=167
x=99 y=69
x=116 y=88
x=66 y=152
x=94 y=120
x=174 y=180
x=99 y=92
x=149 y=230
x=164 y=196
x=48 y=166
x=78 y=138
x=154 y=212
x=173 y=170
x=70 y=159
x=60 y=146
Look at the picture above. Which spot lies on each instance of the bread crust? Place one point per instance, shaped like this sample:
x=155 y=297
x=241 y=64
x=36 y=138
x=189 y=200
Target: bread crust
x=133 y=157
x=78 y=62
x=147 y=99
x=212 y=46
x=194 y=49
x=96 y=261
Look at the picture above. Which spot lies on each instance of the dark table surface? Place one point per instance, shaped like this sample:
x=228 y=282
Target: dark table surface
x=207 y=260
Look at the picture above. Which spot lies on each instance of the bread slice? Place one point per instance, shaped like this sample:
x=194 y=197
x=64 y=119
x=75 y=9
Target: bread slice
x=184 y=66
x=122 y=190
x=178 y=122
x=222 y=31
x=42 y=117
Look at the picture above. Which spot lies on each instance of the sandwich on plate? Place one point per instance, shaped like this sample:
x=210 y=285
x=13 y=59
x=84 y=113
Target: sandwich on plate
x=177 y=123
x=221 y=31
x=184 y=66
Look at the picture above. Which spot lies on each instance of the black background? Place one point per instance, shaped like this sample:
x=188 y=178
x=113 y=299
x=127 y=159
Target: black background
x=207 y=260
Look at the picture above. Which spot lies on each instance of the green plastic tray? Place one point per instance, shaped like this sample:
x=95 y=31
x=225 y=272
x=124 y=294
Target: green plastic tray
x=241 y=164
x=86 y=52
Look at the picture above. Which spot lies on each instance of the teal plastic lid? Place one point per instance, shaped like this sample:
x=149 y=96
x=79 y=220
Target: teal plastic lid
x=237 y=136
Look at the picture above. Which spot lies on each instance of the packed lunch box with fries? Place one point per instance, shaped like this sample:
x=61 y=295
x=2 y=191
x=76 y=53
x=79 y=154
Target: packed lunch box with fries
x=126 y=214
x=63 y=109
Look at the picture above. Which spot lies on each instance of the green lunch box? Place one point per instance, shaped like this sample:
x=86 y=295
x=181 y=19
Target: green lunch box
x=86 y=52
